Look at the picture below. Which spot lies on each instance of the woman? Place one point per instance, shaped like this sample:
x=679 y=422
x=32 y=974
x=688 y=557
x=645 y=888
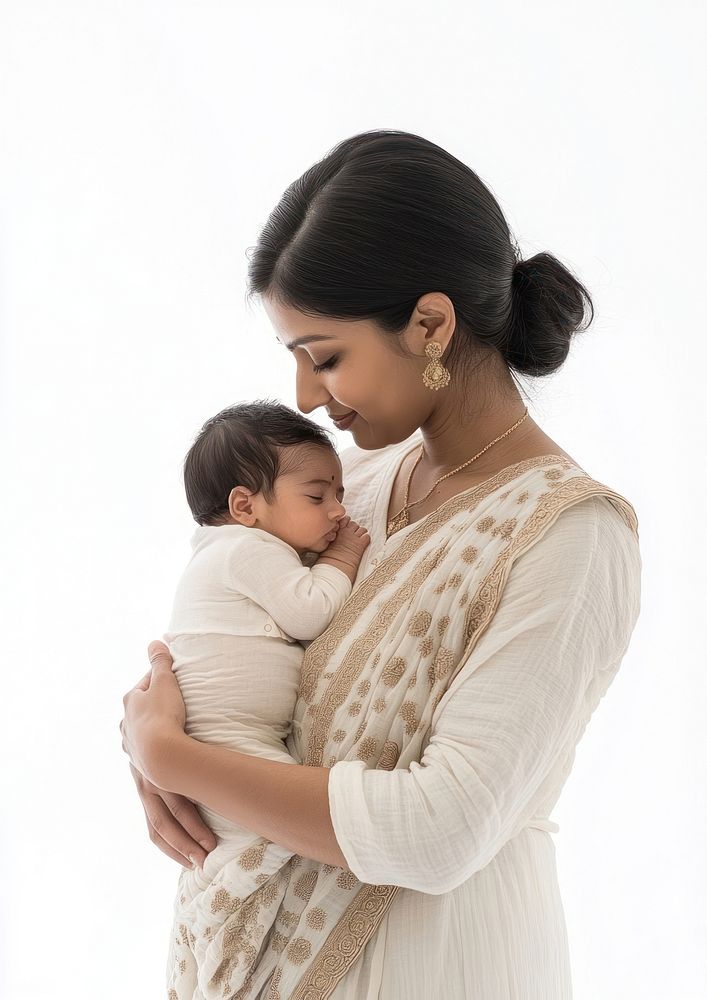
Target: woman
x=438 y=715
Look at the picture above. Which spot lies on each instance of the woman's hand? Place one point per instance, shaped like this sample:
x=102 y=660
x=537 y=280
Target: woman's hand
x=174 y=823
x=155 y=715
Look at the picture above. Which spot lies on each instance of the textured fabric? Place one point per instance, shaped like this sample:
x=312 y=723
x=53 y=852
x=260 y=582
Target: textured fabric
x=466 y=831
x=240 y=605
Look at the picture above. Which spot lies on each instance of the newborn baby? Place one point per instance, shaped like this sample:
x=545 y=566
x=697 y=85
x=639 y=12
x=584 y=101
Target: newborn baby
x=273 y=560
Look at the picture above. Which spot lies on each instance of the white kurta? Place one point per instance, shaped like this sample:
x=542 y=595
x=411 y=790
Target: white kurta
x=481 y=916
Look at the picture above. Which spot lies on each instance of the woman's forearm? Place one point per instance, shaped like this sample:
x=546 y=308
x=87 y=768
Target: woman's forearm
x=286 y=803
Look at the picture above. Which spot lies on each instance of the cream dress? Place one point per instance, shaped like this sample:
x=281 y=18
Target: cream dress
x=480 y=915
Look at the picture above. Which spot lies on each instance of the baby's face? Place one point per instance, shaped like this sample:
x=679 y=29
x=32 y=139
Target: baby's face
x=307 y=507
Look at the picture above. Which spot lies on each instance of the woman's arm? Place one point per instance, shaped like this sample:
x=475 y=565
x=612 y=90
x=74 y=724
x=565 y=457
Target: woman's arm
x=517 y=707
x=286 y=803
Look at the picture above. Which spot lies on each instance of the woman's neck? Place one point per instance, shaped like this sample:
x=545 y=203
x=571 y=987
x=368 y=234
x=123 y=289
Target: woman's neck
x=452 y=436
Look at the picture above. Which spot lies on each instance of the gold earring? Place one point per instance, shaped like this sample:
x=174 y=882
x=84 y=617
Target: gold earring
x=435 y=376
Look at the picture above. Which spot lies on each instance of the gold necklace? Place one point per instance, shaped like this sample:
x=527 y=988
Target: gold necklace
x=401 y=519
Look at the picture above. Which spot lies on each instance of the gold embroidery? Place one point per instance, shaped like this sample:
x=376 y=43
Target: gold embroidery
x=366 y=748
x=278 y=941
x=393 y=671
x=522 y=497
x=484 y=524
x=240 y=932
x=288 y=918
x=316 y=918
x=420 y=623
x=378 y=705
x=346 y=941
x=506 y=529
x=252 y=857
x=363 y=688
x=346 y=880
x=304 y=886
x=408 y=711
x=442 y=624
x=339 y=736
x=426 y=645
x=454 y=581
x=359 y=732
x=354 y=708
x=469 y=554
x=441 y=665
x=389 y=756
x=273 y=992
x=463 y=599
x=299 y=950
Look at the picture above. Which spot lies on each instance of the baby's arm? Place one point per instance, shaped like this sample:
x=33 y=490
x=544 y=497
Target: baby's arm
x=301 y=600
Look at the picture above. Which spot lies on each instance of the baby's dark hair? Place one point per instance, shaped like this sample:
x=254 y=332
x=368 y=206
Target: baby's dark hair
x=240 y=446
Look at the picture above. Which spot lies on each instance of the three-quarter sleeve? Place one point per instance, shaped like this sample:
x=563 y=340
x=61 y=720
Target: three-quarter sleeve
x=301 y=600
x=515 y=709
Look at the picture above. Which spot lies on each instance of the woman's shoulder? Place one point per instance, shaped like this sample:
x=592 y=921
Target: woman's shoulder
x=590 y=545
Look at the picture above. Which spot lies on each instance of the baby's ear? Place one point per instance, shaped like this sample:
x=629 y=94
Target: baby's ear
x=240 y=506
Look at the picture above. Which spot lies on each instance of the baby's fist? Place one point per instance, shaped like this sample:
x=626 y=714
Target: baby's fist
x=352 y=539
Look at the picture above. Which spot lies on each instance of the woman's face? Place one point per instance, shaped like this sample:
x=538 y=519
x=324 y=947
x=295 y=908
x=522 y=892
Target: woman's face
x=350 y=366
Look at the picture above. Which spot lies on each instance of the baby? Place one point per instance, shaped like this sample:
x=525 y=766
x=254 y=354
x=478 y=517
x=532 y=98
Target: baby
x=273 y=560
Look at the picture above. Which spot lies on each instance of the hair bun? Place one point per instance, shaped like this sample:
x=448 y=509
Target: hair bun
x=548 y=308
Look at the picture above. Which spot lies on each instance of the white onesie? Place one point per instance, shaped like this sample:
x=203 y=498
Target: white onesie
x=241 y=605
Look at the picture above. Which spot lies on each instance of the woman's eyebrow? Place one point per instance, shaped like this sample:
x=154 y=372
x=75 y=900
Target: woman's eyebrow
x=303 y=340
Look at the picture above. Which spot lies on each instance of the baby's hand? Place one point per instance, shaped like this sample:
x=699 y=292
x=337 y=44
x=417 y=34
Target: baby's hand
x=347 y=548
x=351 y=541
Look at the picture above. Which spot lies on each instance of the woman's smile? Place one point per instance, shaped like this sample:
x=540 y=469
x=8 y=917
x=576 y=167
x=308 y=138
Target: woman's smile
x=342 y=423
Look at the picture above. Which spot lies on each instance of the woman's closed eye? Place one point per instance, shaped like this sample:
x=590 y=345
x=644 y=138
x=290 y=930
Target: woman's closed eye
x=327 y=365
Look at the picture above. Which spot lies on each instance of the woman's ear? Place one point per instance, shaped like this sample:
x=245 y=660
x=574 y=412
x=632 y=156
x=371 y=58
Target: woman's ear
x=240 y=506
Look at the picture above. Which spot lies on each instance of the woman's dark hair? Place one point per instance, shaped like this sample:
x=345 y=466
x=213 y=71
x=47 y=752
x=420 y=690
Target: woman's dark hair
x=240 y=446
x=386 y=216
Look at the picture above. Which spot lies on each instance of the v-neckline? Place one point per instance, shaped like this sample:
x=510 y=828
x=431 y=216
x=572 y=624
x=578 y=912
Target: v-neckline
x=393 y=468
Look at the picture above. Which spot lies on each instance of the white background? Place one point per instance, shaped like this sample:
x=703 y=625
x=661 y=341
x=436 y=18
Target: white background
x=143 y=146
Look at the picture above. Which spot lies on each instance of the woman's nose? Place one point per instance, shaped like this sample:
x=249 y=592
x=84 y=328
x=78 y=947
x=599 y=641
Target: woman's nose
x=309 y=392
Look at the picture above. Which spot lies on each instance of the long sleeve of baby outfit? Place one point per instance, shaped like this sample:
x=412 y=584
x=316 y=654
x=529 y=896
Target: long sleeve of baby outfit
x=301 y=600
x=512 y=714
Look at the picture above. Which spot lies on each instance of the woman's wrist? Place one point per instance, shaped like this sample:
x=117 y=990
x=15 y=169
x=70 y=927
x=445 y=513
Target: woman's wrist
x=165 y=750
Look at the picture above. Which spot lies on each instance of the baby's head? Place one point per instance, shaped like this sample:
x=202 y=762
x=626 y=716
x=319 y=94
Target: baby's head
x=266 y=466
